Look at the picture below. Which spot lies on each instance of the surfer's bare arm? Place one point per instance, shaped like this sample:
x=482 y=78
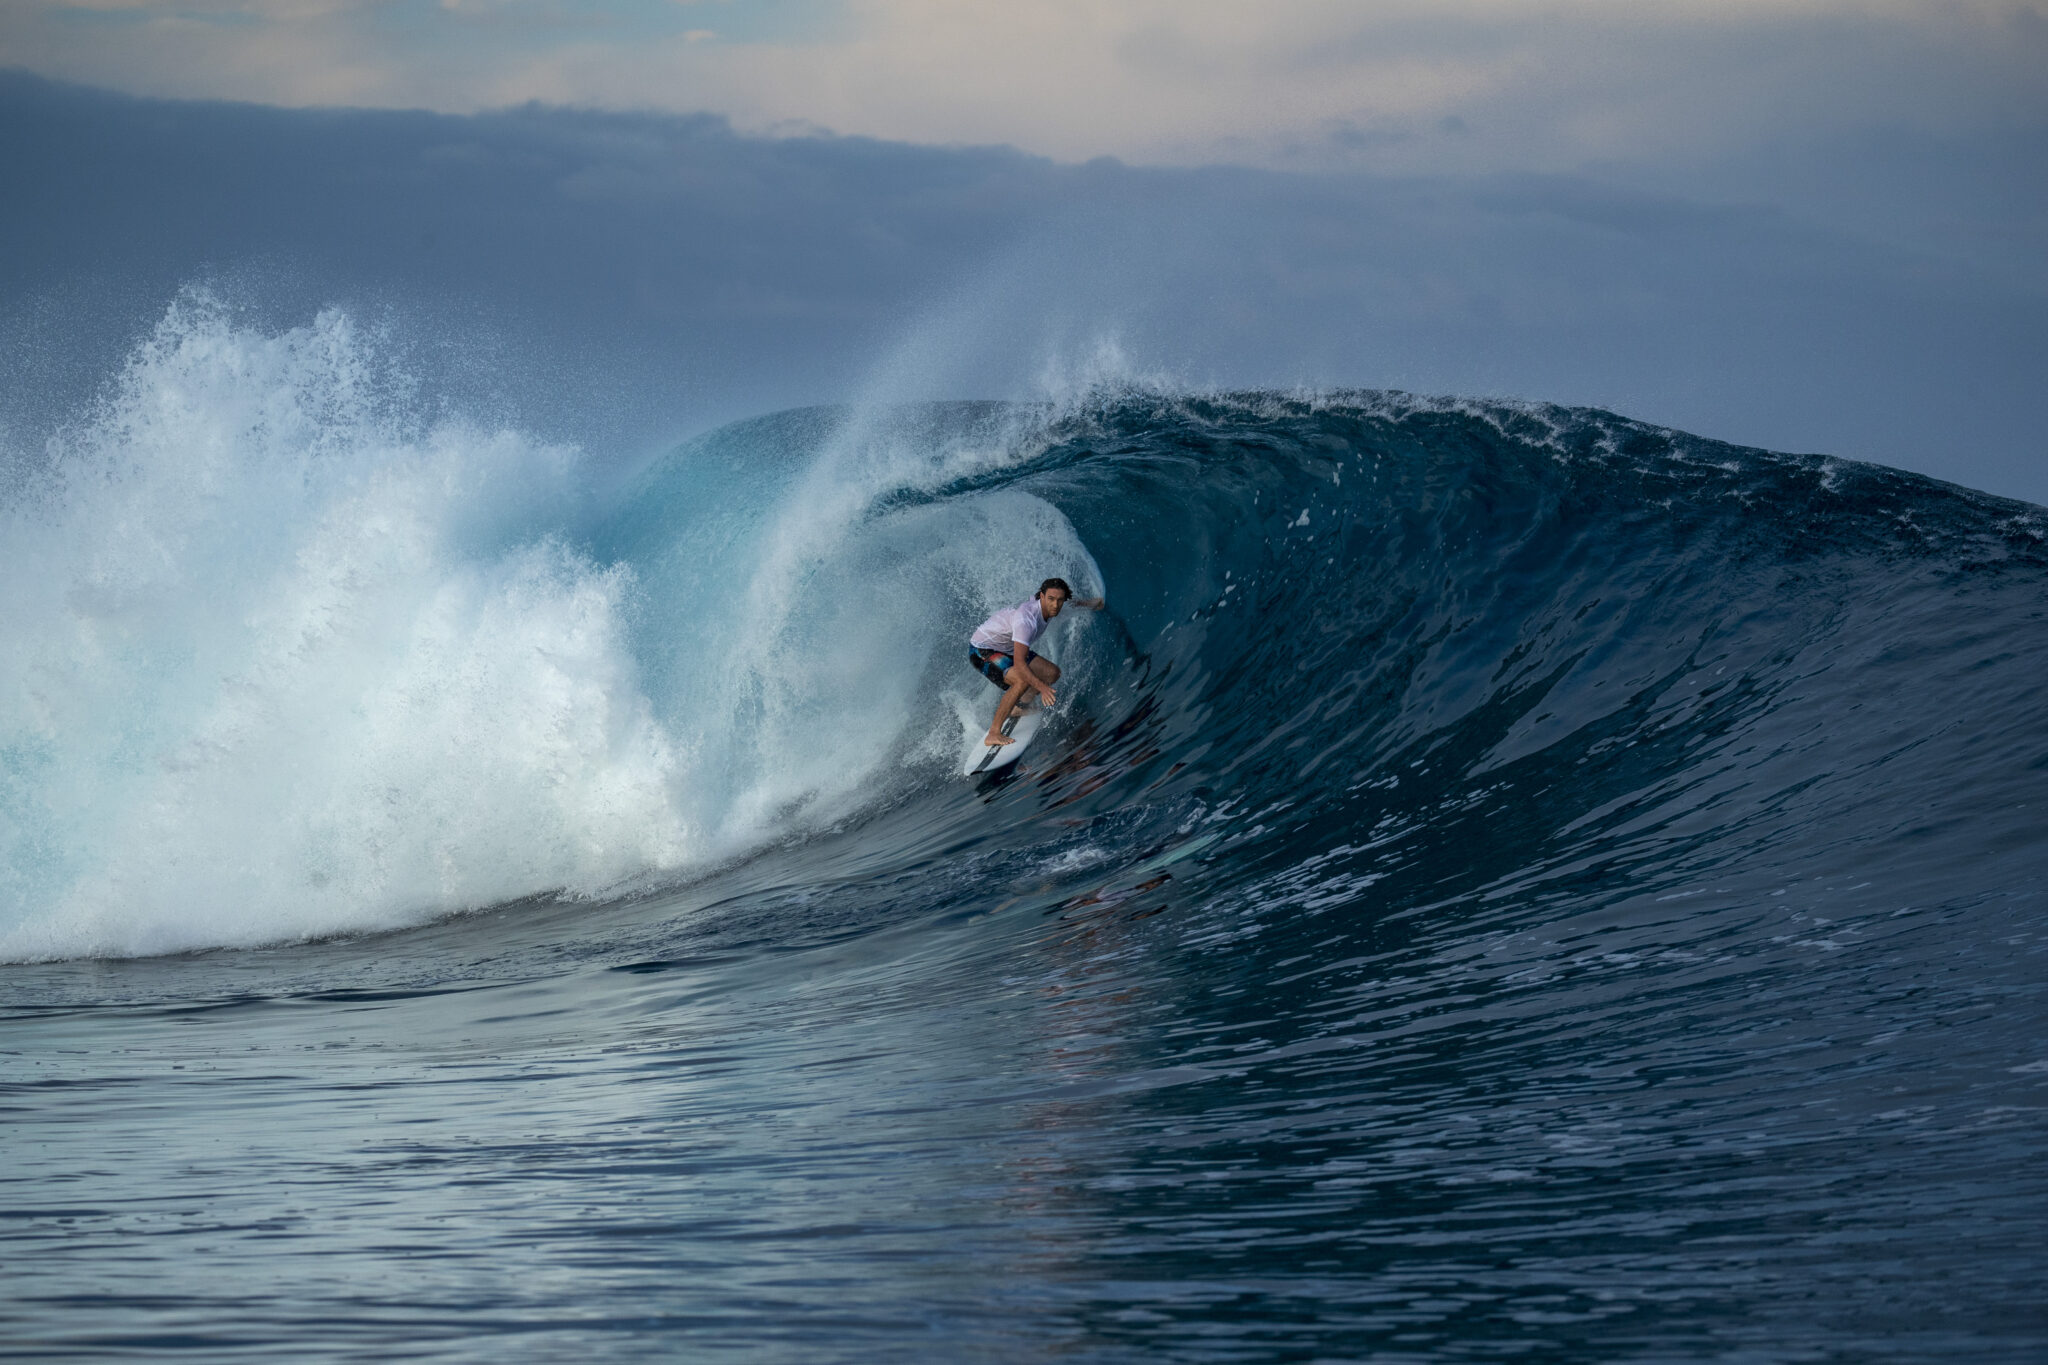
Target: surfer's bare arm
x=1025 y=671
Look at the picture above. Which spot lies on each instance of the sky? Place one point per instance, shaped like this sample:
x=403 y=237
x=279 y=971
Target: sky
x=1803 y=224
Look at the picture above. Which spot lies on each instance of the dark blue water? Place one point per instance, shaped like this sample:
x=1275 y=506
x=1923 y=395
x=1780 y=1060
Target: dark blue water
x=1501 y=883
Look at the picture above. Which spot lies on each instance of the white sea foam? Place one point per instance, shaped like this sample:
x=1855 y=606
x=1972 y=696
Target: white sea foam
x=282 y=662
x=283 y=659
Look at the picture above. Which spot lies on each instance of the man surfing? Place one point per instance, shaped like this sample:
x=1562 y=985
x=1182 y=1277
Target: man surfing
x=1000 y=650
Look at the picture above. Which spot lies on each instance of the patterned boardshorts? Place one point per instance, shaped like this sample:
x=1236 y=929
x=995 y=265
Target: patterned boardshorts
x=993 y=663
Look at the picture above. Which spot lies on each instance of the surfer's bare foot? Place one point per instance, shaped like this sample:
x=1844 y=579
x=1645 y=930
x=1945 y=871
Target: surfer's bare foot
x=995 y=737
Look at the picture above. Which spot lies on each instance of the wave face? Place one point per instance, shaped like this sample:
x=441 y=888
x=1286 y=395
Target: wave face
x=1500 y=879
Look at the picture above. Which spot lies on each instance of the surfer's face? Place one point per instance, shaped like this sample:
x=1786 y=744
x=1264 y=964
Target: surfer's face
x=1050 y=601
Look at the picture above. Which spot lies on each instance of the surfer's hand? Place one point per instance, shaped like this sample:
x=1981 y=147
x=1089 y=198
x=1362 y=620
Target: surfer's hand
x=1045 y=695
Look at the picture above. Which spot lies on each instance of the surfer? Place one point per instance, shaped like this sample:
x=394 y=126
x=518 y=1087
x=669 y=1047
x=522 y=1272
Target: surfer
x=1000 y=650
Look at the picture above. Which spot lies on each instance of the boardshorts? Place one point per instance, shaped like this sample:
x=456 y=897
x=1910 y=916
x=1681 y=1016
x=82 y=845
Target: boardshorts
x=992 y=663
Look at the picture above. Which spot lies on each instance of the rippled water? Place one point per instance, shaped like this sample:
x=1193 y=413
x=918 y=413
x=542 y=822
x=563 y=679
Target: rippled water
x=1506 y=883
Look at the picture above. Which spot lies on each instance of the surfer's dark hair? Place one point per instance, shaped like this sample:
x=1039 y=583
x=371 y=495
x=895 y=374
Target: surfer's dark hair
x=1059 y=583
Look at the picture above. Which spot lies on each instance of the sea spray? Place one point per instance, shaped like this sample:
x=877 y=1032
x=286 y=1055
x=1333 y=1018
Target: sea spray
x=291 y=657
x=273 y=638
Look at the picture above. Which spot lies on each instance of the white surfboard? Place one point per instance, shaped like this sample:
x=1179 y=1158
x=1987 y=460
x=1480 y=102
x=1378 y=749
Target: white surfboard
x=987 y=758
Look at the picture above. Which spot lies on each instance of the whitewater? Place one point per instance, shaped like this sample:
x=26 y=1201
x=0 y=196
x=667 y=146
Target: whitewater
x=278 y=630
x=1502 y=879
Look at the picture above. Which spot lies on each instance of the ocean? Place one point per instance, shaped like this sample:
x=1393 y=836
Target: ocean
x=1501 y=881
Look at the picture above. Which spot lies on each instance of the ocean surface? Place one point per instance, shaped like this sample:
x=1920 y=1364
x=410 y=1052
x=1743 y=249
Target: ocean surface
x=1501 y=882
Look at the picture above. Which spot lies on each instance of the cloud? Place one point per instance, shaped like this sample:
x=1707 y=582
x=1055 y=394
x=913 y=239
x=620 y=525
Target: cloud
x=1731 y=100
x=646 y=274
x=1547 y=84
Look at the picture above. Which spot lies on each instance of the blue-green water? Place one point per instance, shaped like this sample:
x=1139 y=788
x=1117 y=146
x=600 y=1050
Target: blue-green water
x=1500 y=883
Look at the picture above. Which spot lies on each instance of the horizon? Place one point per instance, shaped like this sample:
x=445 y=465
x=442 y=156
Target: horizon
x=1806 y=225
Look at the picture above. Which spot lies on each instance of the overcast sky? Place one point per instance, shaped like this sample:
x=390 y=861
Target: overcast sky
x=1814 y=224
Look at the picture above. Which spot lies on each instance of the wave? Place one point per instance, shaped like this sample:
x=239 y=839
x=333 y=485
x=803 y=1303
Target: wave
x=295 y=656
x=1538 y=663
